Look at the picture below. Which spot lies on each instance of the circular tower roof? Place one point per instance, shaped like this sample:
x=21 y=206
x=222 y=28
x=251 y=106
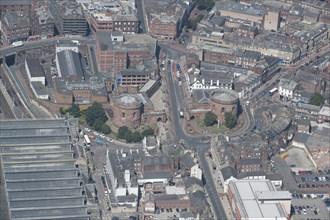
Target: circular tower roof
x=128 y=101
x=224 y=96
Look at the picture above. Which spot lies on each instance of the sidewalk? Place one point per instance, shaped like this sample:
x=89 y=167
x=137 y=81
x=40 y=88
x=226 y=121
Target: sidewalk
x=220 y=190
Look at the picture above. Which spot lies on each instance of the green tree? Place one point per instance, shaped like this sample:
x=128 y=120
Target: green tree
x=148 y=132
x=129 y=136
x=194 y=22
x=122 y=132
x=230 y=120
x=136 y=137
x=204 y=4
x=106 y=129
x=210 y=119
x=98 y=123
x=95 y=112
x=63 y=111
x=74 y=110
x=317 y=99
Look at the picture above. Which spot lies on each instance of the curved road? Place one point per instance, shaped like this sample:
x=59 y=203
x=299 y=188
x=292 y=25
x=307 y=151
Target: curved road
x=200 y=147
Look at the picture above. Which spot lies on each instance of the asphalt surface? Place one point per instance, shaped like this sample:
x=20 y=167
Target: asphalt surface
x=194 y=142
x=282 y=168
x=141 y=16
x=43 y=43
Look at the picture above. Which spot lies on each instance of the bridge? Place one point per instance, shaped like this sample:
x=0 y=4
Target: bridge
x=9 y=51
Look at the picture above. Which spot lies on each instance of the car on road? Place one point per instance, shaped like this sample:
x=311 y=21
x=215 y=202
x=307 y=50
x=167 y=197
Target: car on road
x=87 y=129
x=102 y=135
x=110 y=140
x=99 y=142
x=180 y=83
x=96 y=133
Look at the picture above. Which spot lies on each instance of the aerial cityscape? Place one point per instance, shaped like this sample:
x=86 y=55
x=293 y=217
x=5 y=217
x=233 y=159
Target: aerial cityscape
x=165 y=110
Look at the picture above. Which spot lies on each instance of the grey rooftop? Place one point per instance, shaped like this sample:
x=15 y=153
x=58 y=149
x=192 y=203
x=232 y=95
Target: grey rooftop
x=41 y=179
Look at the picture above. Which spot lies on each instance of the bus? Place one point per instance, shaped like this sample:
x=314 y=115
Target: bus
x=87 y=142
x=284 y=155
x=273 y=91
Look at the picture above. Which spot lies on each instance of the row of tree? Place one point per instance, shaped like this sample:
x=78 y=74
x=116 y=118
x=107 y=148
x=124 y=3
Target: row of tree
x=210 y=119
x=94 y=116
x=133 y=136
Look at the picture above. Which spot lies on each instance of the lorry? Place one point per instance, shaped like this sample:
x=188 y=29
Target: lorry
x=17 y=44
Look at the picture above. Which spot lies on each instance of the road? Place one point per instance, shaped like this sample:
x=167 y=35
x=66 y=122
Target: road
x=282 y=168
x=141 y=16
x=194 y=142
x=43 y=43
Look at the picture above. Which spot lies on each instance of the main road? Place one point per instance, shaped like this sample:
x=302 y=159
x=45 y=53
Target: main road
x=201 y=148
x=43 y=43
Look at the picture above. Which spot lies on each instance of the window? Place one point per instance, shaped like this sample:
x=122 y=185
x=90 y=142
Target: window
x=123 y=114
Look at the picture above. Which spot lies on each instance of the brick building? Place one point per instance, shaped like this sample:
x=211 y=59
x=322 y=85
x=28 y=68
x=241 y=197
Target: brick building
x=163 y=26
x=42 y=22
x=224 y=100
x=116 y=52
x=15 y=27
x=16 y=5
x=247 y=31
x=101 y=21
x=272 y=20
x=127 y=111
x=172 y=201
x=248 y=165
x=133 y=109
x=126 y=23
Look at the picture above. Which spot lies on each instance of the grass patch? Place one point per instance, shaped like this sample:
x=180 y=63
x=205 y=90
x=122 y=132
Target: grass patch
x=200 y=122
x=218 y=129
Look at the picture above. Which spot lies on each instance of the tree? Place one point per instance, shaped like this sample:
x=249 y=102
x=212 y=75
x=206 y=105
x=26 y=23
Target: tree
x=98 y=124
x=129 y=136
x=204 y=4
x=148 y=132
x=210 y=119
x=122 y=132
x=95 y=112
x=317 y=99
x=230 y=120
x=63 y=111
x=136 y=137
x=106 y=129
x=74 y=110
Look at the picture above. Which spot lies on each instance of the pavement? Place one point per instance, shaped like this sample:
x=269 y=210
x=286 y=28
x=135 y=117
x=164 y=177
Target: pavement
x=282 y=168
x=194 y=142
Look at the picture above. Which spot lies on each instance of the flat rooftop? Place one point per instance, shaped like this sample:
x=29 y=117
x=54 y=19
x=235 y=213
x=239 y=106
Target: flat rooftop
x=247 y=194
x=40 y=175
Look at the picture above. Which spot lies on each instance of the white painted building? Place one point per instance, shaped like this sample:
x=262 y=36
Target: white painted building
x=287 y=88
x=34 y=70
x=196 y=172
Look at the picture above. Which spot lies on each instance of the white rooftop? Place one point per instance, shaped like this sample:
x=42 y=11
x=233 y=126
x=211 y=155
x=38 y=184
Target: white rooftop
x=249 y=193
x=325 y=111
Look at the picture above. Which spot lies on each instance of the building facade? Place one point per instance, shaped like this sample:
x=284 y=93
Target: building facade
x=15 y=27
x=68 y=17
x=163 y=27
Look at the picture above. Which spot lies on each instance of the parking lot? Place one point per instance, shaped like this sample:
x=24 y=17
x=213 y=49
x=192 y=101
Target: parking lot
x=312 y=209
x=168 y=213
x=298 y=158
x=313 y=179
